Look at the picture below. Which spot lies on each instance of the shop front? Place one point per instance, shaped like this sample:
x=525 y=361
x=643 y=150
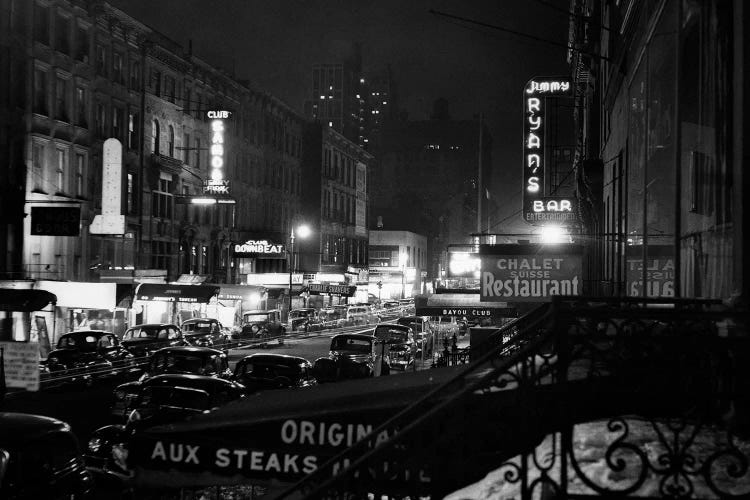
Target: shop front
x=172 y=303
x=82 y=306
x=233 y=301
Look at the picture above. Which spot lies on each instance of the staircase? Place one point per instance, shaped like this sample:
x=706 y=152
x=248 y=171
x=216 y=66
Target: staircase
x=571 y=361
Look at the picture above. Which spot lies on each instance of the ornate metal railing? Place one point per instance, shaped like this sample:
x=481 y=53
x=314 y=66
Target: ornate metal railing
x=682 y=367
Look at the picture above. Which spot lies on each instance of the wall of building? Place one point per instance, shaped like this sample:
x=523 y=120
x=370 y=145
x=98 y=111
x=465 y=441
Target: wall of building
x=398 y=263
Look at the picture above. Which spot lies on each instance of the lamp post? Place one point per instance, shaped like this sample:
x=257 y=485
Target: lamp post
x=402 y=260
x=303 y=231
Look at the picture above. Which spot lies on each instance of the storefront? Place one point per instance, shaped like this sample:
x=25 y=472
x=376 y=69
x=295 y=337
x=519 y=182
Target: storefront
x=83 y=306
x=233 y=301
x=23 y=316
x=172 y=303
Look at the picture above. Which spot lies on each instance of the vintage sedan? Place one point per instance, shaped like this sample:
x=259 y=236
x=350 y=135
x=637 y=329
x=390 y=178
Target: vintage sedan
x=142 y=340
x=90 y=354
x=159 y=400
x=260 y=324
x=204 y=332
x=398 y=341
x=303 y=319
x=259 y=372
x=352 y=355
x=424 y=330
x=40 y=458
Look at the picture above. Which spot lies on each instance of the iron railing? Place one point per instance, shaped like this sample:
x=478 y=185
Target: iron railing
x=681 y=366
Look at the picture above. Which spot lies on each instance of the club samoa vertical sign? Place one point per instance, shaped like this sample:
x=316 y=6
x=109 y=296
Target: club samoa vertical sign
x=536 y=207
x=529 y=273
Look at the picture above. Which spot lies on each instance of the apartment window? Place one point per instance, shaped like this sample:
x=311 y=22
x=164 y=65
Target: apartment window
x=169 y=88
x=82 y=43
x=41 y=23
x=156 y=82
x=61 y=102
x=81 y=107
x=37 y=162
x=161 y=200
x=62 y=34
x=186 y=104
x=117 y=74
x=134 y=123
x=130 y=203
x=101 y=60
x=135 y=75
x=170 y=142
x=198 y=105
x=197 y=153
x=186 y=148
x=62 y=167
x=118 y=115
x=155 y=137
x=40 y=91
x=101 y=119
x=80 y=172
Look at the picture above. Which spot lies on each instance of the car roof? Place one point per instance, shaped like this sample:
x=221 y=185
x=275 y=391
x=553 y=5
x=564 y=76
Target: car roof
x=303 y=309
x=189 y=349
x=188 y=379
x=20 y=428
x=197 y=320
x=152 y=325
x=398 y=326
x=260 y=311
x=353 y=336
x=86 y=332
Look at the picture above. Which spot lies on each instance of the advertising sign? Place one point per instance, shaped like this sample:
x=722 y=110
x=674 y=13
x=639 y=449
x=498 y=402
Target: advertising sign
x=529 y=273
x=56 y=221
x=535 y=206
x=260 y=248
x=659 y=271
x=220 y=187
x=111 y=220
x=21 y=364
x=339 y=290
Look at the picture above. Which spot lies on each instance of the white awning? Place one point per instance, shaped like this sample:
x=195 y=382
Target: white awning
x=83 y=295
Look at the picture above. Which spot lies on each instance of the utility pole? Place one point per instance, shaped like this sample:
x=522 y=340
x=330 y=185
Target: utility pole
x=479 y=179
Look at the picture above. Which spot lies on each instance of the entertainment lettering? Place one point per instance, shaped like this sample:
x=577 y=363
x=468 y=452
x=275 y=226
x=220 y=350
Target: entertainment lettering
x=262 y=247
x=216 y=150
x=535 y=92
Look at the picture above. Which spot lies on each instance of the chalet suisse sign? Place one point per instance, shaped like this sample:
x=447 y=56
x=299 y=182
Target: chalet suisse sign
x=258 y=248
x=325 y=289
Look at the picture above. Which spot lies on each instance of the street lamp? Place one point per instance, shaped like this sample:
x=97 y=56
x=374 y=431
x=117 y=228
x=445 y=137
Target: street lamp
x=403 y=258
x=303 y=231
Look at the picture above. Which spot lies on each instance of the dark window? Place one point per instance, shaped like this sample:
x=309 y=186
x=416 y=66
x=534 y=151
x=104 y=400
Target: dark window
x=101 y=60
x=134 y=124
x=118 y=116
x=61 y=101
x=117 y=73
x=101 y=119
x=170 y=142
x=135 y=75
x=155 y=136
x=40 y=91
x=81 y=107
x=82 y=44
x=41 y=23
x=62 y=34
x=156 y=82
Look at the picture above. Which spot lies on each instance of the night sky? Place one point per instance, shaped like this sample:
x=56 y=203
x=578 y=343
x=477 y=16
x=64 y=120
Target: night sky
x=274 y=43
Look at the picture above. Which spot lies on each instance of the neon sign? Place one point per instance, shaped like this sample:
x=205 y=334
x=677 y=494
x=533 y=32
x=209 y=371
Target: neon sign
x=216 y=150
x=536 y=208
x=259 y=247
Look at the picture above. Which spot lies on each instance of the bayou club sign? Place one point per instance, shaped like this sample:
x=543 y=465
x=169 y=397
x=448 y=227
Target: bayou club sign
x=255 y=248
x=536 y=207
x=529 y=273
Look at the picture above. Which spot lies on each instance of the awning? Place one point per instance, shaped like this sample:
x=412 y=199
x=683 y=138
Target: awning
x=79 y=294
x=240 y=292
x=461 y=305
x=25 y=300
x=176 y=293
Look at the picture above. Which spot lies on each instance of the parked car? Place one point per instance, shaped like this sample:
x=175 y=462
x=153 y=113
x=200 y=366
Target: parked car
x=92 y=354
x=361 y=315
x=303 y=319
x=391 y=305
x=260 y=324
x=204 y=332
x=423 y=329
x=188 y=360
x=332 y=318
x=351 y=356
x=40 y=458
x=159 y=400
x=407 y=305
x=142 y=340
x=398 y=342
x=259 y=372
x=128 y=396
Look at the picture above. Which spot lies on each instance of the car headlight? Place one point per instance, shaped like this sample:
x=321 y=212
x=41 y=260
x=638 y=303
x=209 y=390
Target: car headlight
x=95 y=444
x=254 y=328
x=134 y=416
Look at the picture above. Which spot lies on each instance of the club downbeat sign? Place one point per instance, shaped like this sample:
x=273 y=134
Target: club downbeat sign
x=530 y=273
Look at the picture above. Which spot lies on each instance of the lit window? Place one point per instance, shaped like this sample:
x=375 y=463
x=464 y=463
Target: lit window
x=361 y=80
x=330 y=124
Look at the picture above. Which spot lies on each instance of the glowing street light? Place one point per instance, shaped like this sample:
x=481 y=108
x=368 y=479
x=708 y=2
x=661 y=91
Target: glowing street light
x=303 y=232
x=403 y=259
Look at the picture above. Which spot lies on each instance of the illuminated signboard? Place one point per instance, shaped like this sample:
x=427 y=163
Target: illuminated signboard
x=537 y=208
x=659 y=271
x=463 y=265
x=258 y=248
x=211 y=186
x=216 y=150
x=322 y=288
x=530 y=273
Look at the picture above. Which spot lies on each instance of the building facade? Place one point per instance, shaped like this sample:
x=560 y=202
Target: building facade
x=398 y=264
x=661 y=161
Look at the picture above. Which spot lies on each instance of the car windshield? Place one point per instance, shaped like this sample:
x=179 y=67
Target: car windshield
x=184 y=363
x=391 y=335
x=300 y=313
x=84 y=341
x=270 y=370
x=198 y=326
x=351 y=344
x=145 y=332
x=256 y=317
x=180 y=397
